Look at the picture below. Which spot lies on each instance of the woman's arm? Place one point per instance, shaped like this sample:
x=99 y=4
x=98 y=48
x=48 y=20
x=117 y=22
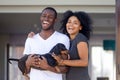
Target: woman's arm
x=82 y=48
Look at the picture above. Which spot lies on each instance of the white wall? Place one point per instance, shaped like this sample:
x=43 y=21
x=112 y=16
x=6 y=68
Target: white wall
x=57 y=2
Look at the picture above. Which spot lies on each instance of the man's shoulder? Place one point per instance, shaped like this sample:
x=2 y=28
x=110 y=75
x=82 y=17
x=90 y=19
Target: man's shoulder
x=61 y=36
x=33 y=37
x=59 y=33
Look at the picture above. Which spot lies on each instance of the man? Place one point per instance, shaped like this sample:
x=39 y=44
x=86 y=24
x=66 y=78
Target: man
x=42 y=43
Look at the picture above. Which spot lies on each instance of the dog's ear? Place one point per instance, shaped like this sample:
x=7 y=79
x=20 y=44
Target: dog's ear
x=58 y=48
x=62 y=47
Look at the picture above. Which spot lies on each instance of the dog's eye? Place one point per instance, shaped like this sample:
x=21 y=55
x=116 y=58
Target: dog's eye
x=64 y=52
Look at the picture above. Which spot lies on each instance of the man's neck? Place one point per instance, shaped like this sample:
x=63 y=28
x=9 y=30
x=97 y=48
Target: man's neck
x=46 y=34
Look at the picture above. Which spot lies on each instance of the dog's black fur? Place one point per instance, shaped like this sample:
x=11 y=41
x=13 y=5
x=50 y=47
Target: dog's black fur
x=51 y=61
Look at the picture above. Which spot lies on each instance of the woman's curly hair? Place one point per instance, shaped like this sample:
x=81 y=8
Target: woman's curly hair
x=84 y=19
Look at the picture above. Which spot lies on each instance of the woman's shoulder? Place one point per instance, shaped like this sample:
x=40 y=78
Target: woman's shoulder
x=81 y=37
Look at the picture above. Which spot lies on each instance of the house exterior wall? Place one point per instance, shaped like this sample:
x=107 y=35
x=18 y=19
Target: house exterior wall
x=91 y=6
x=35 y=6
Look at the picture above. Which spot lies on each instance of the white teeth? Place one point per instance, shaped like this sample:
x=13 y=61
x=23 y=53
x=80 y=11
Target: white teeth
x=45 y=22
x=70 y=28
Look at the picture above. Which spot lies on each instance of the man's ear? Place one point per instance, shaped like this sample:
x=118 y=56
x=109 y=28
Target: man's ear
x=56 y=19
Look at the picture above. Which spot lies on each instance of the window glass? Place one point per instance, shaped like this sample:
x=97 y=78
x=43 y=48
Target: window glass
x=14 y=72
x=103 y=64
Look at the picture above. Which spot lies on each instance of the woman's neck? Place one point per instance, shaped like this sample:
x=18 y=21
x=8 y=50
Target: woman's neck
x=72 y=36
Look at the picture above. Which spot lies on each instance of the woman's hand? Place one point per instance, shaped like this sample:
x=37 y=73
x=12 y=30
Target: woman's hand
x=58 y=58
x=31 y=34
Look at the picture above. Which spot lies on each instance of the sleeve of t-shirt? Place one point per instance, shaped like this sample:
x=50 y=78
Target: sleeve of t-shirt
x=66 y=42
x=27 y=47
x=81 y=38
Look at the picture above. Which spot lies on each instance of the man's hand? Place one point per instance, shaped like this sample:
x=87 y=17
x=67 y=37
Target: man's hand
x=32 y=60
x=43 y=63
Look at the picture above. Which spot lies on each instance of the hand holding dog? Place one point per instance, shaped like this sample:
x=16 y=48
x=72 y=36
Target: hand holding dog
x=42 y=63
x=58 y=59
x=32 y=60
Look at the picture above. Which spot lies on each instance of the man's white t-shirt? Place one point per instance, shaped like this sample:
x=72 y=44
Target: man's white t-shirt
x=37 y=45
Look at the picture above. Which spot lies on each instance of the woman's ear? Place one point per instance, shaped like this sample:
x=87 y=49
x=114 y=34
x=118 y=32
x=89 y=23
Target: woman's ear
x=80 y=27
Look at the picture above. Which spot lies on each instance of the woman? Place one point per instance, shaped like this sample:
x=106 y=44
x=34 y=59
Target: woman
x=77 y=25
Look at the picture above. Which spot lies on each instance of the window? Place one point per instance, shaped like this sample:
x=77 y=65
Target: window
x=103 y=64
x=14 y=72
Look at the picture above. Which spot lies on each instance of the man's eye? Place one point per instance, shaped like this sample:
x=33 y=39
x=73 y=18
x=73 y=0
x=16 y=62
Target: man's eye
x=43 y=16
x=51 y=17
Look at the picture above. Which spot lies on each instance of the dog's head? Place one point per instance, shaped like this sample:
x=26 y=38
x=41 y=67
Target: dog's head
x=64 y=54
x=60 y=50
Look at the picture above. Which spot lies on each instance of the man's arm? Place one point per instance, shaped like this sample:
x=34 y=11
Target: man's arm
x=31 y=61
x=42 y=64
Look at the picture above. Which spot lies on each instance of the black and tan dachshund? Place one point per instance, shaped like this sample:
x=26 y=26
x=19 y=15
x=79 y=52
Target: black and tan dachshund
x=59 y=50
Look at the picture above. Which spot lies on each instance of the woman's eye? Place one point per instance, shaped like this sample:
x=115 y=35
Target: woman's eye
x=68 y=22
x=75 y=23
